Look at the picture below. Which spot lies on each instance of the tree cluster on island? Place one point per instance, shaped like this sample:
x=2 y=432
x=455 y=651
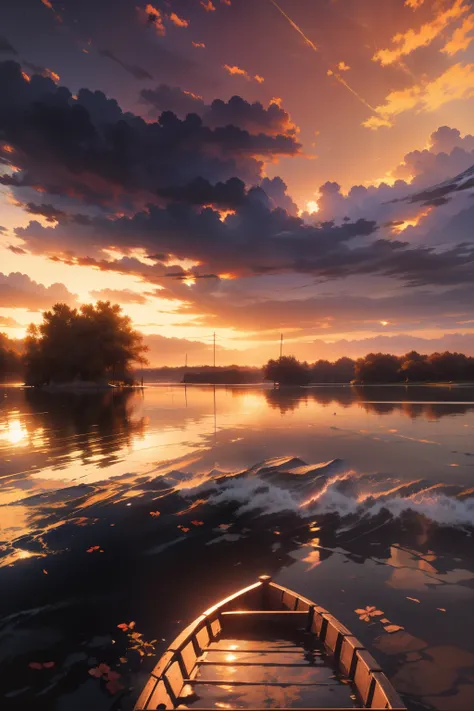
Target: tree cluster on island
x=374 y=368
x=95 y=343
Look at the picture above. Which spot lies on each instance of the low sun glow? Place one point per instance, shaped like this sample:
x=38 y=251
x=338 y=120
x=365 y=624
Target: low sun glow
x=312 y=207
x=384 y=323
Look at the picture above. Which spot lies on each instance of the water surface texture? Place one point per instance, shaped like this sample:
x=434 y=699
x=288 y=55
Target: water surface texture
x=124 y=514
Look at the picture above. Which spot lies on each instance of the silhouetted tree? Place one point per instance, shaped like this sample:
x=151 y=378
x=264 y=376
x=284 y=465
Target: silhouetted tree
x=344 y=370
x=11 y=362
x=287 y=371
x=93 y=343
x=452 y=366
x=416 y=368
x=378 y=368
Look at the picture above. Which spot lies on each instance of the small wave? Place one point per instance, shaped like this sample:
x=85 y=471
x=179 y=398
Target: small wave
x=290 y=485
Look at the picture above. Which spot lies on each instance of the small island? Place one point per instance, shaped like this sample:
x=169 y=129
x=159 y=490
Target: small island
x=93 y=347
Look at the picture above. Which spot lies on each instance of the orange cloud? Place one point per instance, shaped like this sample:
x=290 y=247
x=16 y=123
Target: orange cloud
x=343 y=67
x=408 y=42
x=461 y=38
x=414 y=4
x=226 y=2
x=200 y=45
x=234 y=70
x=457 y=82
x=208 y=5
x=47 y=3
x=153 y=17
x=178 y=21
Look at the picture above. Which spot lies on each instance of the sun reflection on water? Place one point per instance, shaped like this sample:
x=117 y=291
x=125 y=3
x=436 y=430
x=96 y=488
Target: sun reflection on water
x=14 y=432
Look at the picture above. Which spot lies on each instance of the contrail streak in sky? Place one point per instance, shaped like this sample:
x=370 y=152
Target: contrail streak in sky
x=295 y=26
x=315 y=49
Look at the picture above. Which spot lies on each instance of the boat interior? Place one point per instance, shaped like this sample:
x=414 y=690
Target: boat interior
x=266 y=647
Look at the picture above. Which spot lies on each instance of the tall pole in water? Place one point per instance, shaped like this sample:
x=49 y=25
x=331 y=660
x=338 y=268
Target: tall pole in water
x=281 y=346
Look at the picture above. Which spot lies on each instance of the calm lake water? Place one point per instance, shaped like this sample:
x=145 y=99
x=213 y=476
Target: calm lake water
x=148 y=506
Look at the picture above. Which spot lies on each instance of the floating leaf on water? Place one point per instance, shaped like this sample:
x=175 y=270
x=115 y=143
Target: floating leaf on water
x=393 y=628
x=224 y=526
x=45 y=571
x=35 y=665
x=184 y=529
x=413 y=599
x=123 y=660
x=366 y=613
x=103 y=668
x=48 y=665
x=384 y=621
x=125 y=626
x=441 y=609
x=95 y=672
x=155 y=513
x=197 y=523
x=93 y=548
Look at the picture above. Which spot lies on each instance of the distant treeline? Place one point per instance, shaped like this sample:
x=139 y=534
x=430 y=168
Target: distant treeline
x=412 y=367
x=225 y=376
x=229 y=375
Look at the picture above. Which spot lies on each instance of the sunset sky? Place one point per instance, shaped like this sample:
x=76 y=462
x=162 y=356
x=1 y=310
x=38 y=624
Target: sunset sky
x=243 y=167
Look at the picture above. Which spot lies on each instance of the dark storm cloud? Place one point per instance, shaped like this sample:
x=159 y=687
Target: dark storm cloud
x=227 y=195
x=254 y=239
x=276 y=189
x=49 y=212
x=89 y=149
x=232 y=194
x=133 y=69
x=254 y=118
x=6 y=47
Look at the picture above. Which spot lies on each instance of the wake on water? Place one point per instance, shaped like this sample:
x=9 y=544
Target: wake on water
x=290 y=485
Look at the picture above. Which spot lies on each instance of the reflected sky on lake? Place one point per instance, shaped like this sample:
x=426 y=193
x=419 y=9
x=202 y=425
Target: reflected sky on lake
x=113 y=504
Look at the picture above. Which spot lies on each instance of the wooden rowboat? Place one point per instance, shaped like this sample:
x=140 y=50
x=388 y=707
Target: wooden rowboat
x=267 y=647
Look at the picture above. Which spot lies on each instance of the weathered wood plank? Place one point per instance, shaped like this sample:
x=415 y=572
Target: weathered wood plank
x=384 y=696
x=146 y=694
x=366 y=664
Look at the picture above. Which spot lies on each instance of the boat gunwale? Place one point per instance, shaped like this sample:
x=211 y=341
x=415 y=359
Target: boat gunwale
x=371 y=682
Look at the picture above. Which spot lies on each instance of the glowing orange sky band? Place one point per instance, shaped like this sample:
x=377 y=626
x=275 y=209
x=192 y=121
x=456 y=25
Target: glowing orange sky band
x=315 y=49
